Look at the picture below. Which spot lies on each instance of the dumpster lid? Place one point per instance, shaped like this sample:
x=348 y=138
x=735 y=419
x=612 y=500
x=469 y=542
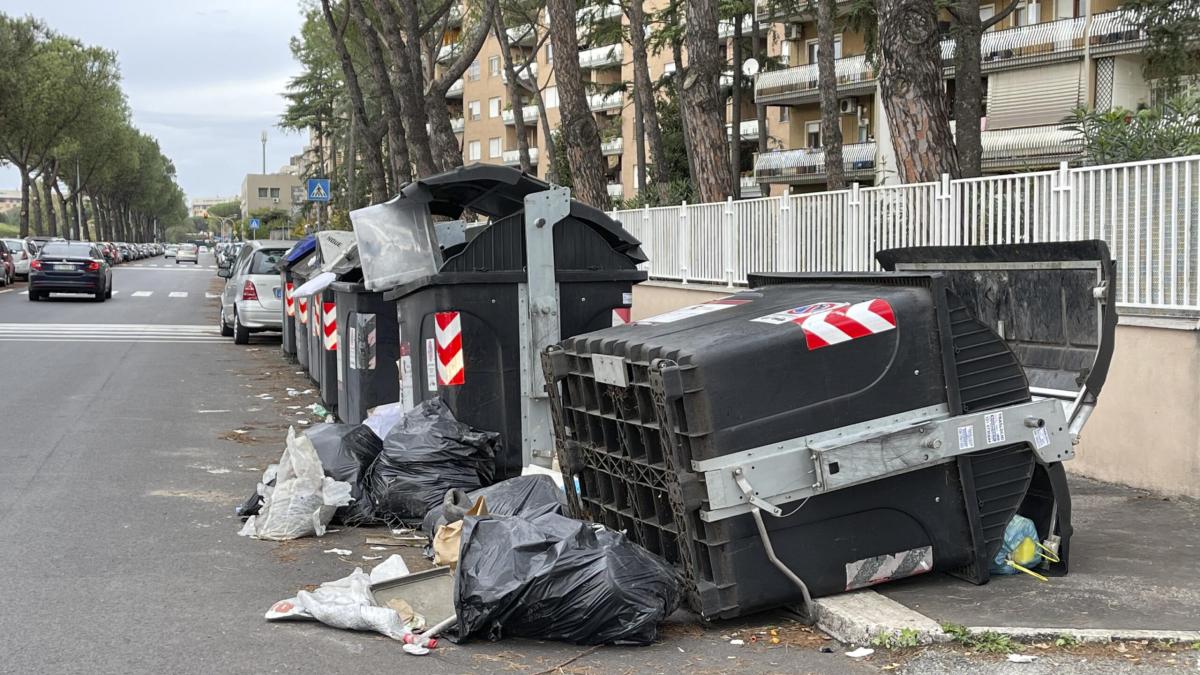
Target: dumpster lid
x=302 y=248
x=315 y=285
x=333 y=243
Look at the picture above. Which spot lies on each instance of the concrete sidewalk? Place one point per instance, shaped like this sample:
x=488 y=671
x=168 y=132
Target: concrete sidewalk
x=1134 y=567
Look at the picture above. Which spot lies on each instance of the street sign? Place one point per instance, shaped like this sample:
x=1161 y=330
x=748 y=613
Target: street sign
x=254 y=223
x=318 y=189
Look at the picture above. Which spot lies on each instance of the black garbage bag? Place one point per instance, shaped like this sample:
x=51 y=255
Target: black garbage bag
x=346 y=452
x=556 y=578
x=425 y=454
x=524 y=496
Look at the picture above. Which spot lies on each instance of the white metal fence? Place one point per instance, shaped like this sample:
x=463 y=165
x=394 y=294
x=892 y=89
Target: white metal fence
x=1148 y=212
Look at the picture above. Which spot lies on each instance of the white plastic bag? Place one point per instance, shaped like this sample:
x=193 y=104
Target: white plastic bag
x=348 y=603
x=304 y=499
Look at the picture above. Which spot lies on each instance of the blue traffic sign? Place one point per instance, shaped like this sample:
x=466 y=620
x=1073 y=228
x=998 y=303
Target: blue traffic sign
x=318 y=189
x=254 y=223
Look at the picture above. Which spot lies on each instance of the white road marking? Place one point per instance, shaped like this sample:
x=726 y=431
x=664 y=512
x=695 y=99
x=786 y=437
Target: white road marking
x=142 y=294
x=177 y=294
x=7 y=290
x=23 y=293
x=120 y=333
x=210 y=296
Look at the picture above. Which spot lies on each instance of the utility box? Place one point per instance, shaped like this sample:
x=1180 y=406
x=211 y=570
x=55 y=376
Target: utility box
x=821 y=433
x=472 y=315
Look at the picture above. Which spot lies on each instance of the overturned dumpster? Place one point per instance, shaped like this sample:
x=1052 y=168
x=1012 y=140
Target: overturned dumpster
x=473 y=314
x=822 y=433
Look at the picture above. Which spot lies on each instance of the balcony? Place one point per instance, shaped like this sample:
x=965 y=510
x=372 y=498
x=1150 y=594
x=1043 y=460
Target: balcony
x=601 y=57
x=614 y=146
x=725 y=28
x=749 y=130
x=1061 y=40
x=1027 y=148
x=616 y=191
x=596 y=13
x=606 y=102
x=807 y=165
x=448 y=52
x=513 y=157
x=456 y=89
x=528 y=74
x=457 y=124
x=522 y=36
x=529 y=114
x=855 y=75
x=750 y=187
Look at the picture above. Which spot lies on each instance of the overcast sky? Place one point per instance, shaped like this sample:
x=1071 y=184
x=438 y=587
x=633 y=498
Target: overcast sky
x=203 y=78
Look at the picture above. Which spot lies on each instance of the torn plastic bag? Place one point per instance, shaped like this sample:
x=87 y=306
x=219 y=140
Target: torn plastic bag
x=253 y=504
x=425 y=454
x=556 y=578
x=383 y=417
x=524 y=496
x=1020 y=546
x=345 y=603
x=304 y=498
x=346 y=452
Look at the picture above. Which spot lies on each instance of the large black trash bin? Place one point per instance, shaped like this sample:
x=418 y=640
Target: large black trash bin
x=288 y=283
x=864 y=427
x=462 y=320
x=369 y=345
x=300 y=274
x=323 y=308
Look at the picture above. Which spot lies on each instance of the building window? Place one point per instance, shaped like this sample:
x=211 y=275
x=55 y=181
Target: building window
x=473 y=151
x=494 y=147
x=494 y=106
x=493 y=66
x=785 y=113
x=275 y=193
x=813 y=48
x=473 y=110
x=785 y=52
x=473 y=71
x=1027 y=13
x=864 y=131
x=550 y=97
x=262 y=193
x=812 y=134
x=549 y=53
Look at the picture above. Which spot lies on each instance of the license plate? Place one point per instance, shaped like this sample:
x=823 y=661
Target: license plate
x=64 y=268
x=278 y=293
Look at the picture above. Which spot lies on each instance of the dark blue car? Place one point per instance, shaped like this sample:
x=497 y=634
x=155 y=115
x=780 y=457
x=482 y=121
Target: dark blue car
x=70 y=267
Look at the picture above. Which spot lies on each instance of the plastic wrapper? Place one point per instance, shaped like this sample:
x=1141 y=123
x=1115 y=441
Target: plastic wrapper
x=346 y=452
x=556 y=578
x=524 y=496
x=346 y=603
x=426 y=453
x=1020 y=546
x=303 y=500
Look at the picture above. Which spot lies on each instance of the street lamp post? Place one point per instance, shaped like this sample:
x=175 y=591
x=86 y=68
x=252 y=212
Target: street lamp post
x=264 y=144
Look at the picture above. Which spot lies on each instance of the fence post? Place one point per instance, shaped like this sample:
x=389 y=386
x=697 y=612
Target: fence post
x=944 y=199
x=1060 y=187
x=727 y=254
x=647 y=236
x=783 y=235
x=854 y=220
x=684 y=237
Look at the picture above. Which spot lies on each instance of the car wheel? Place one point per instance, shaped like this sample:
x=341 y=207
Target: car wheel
x=241 y=334
x=226 y=331
x=108 y=292
x=176 y=262
x=34 y=296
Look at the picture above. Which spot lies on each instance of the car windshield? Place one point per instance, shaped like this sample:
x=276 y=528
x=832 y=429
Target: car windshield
x=265 y=260
x=187 y=247
x=76 y=250
x=13 y=245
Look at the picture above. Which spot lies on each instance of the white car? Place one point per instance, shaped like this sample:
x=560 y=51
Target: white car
x=204 y=249
x=171 y=251
x=187 y=253
x=251 y=300
x=23 y=252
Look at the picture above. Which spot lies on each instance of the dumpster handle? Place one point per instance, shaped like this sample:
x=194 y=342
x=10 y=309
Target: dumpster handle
x=809 y=615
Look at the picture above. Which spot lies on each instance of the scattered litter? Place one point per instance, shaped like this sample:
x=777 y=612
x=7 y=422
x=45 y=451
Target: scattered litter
x=415 y=650
x=253 y=409
x=1021 y=658
x=209 y=412
x=294 y=407
x=293 y=392
x=304 y=498
x=419 y=540
x=240 y=431
x=304 y=422
x=372 y=557
x=318 y=410
x=338 y=551
x=392 y=568
x=265 y=397
x=737 y=643
x=218 y=471
x=826 y=650
x=861 y=652
x=330 y=419
x=345 y=603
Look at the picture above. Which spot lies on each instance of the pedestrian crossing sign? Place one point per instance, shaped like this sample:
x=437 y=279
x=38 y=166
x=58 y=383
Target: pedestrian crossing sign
x=318 y=189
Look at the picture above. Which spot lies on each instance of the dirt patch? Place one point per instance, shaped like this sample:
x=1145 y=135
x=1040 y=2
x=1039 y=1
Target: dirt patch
x=241 y=436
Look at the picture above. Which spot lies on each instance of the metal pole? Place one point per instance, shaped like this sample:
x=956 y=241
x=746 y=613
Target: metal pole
x=735 y=121
x=79 y=206
x=760 y=109
x=264 y=146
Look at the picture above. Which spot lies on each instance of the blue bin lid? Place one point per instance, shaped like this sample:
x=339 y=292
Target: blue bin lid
x=302 y=248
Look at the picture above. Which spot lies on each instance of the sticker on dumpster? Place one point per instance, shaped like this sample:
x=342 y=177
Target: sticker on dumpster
x=1041 y=438
x=366 y=346
x=993 y=427
x=694 y=310
x=627 y=298
x=289 y=300
x=966 y=437
x=352 y=334
x=430 y=365
x=831 y=323
x=450 y=367
x=329 y=325
x=881 y=568
x=620 y=316
x=404 y=366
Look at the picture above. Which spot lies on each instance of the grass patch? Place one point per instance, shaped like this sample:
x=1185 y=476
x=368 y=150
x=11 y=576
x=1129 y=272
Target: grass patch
x=9 y=230
x=907 y=638
x=987 y=642
x=1066 y=640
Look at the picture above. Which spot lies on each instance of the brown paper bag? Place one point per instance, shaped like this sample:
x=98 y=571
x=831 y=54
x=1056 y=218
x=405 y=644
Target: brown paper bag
x=448 y=538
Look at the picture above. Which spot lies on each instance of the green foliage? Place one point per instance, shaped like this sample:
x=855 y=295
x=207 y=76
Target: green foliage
x=906 y=638
x=1171 y=26
x=562 y=167
x=1066 y=641
x=987 y=642
x=230 y=209
x=1119 y=135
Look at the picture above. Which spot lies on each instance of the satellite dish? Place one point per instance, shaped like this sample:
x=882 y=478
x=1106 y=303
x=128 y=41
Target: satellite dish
x=750 y=67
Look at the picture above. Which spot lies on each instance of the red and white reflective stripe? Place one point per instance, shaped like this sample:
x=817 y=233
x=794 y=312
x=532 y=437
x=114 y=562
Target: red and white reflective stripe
x=847 y=323
x=620 y=316
x=303 y=308
x=329 y=319
x=448 y=334
x=289 y=302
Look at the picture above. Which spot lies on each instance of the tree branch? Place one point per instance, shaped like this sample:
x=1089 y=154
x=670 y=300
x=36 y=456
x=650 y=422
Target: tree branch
x=1002 y=15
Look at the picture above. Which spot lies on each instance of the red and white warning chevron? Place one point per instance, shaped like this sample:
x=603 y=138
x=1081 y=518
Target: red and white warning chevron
x=620 y=316
x=289 y=302
x=448 y=334
x=302 y=307
x=329 y=322
x=847 y=322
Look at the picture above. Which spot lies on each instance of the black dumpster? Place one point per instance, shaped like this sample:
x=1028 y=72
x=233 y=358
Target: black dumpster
x=369 y=346
x=300 y=274
x=462 y=314
x=288 y=282
x=885 y=424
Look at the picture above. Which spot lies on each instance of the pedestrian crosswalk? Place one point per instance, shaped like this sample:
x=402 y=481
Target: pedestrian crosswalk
x=147 y=294
x=108 y=332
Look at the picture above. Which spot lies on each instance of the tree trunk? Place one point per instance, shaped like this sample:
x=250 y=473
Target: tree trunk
x=550 y=151
x=68 y=228
x=48 y=181
x=831 y=117
x=578 y=126
x=83 y=219
x=514 y=93
x=735 y=117
x=677 y=57
x=410 y=84
x=643 y=91
x=397 y=143
x=702 y=104
x=23 y=229
x=37 y=209
x=910 y=82
x=372 y=151
x=968 y=82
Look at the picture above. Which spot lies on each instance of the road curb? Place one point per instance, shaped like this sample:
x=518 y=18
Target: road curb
x=861 y=617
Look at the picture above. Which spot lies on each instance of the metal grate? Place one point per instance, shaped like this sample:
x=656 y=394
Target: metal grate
x=1105 y=70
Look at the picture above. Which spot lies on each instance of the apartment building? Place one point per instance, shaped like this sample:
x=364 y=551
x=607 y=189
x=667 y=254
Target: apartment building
x=201 y=205
x=1040 y=63
x=271 y=191
x=486 y=124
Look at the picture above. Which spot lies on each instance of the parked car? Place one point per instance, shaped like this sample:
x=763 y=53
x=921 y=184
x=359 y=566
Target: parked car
x=251 y=299
x=8 y=268
x=23 y=251
x=171 y=251
x=187 y=253
x=108 y=252
x=70 y=267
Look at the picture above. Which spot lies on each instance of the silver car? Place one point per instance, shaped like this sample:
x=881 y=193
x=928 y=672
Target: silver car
x=187 y=253
x=251 y=300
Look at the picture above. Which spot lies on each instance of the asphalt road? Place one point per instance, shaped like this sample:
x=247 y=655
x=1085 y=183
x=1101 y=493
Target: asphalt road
x=129 y=431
